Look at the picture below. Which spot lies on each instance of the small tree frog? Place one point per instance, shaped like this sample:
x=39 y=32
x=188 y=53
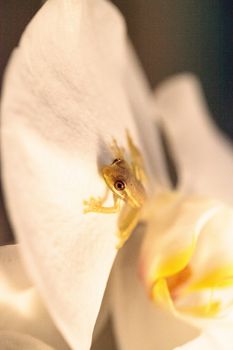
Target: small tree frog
x=125 y=180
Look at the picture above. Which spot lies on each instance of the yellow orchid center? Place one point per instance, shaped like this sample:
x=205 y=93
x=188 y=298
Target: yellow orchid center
x=191 y=269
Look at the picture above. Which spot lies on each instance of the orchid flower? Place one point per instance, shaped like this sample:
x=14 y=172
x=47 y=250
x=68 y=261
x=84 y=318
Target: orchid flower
x=72 y=84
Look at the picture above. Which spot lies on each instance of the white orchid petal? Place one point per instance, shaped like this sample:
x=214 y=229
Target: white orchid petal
x=64 y=98
x=21 y=308
x=204 y=158
x=137 y=322
x=12 y=271
x=15 y=341
x=217 y=234
x=216 y=338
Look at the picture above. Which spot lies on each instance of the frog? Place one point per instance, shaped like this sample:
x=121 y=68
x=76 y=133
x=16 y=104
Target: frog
x=126 y=181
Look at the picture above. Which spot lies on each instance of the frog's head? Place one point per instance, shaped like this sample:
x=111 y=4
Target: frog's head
x=117 y=177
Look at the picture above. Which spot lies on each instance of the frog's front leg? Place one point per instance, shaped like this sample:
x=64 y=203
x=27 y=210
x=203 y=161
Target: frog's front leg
x=127 y=222
x=96 y=205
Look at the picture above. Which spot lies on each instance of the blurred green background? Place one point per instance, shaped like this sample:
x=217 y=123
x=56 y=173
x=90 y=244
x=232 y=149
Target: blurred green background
x=170 y=36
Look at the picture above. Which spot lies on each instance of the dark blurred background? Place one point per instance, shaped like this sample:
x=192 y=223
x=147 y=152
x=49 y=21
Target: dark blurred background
x=170 y=36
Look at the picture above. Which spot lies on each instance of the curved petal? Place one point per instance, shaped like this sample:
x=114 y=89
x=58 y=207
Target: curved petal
x=64 y=98
x=21 y=308
x=217 y=234
x=137 y=322
x=16 y=341
x=216 y=338
x=204 y=158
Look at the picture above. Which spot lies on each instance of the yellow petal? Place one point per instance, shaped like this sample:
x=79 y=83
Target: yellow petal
x=160 y=293
x=175 y=263
x=221 y=277
x=206 y=310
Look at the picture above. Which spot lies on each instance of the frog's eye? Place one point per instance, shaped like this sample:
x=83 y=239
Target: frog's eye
x=119 y=185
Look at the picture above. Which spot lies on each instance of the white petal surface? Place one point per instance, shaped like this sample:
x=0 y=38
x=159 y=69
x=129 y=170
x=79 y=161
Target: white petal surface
x=17 y=341
x=21 y=308
x=203 y=156
x=218 y=338
x=64 y=98
x=12 y=272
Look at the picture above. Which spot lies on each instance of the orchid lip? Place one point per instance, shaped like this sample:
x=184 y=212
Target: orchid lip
x=173 y=273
